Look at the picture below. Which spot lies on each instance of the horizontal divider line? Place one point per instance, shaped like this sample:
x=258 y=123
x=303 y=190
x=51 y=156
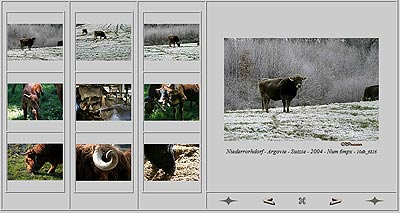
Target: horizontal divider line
x=172 y=72
x=332 y=192
x=103 y=132
x=171 y=132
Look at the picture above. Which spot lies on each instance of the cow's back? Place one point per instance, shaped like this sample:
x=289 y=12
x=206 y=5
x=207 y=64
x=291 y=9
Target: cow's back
x=191 y=91
x=270 y=87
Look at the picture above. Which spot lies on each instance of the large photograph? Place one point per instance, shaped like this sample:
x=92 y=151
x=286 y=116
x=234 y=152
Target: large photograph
x=312 y=89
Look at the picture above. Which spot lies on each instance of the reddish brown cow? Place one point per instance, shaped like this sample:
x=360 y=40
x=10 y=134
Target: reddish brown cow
x=102 y=162
x=30 y=99
x=177 y=94
x=39 y=154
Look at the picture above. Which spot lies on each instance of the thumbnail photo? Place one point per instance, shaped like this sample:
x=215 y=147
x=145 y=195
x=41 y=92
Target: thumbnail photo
x=35 y=161
x=35 y=101
x=103 y=42
x=171 y=42
x=172 y=162
x=103 y=102
x=103 y=162
x=313 y=89
x=41 y=42
x=171 y=102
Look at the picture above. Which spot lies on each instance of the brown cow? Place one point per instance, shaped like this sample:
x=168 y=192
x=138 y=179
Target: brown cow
x=173 y=39
x=102 y=162
x=39 y=154
x=30 y=99
x=177 y=94
x=26 y=42
x=284 y=89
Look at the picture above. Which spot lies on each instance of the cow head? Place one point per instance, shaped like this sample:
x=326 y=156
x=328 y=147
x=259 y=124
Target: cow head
x=164 y=91
x=161 y=156
x=33 y=161
x=298 y=80
x=33 y=101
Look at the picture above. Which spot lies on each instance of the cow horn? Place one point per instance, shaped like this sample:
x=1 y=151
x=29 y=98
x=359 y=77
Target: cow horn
x=304 y=78
x=99 y=163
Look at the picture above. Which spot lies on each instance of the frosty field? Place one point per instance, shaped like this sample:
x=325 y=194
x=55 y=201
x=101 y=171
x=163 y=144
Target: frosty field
x=41 y=54
x=186 y=52
x=357 y=121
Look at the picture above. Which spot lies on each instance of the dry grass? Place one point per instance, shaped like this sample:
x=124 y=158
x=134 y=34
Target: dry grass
x=187 y=159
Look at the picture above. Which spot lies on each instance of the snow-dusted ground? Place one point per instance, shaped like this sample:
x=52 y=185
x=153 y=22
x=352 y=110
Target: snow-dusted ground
x=186 y=52
x=356 y=121
x=117 y=46
x=42 y=54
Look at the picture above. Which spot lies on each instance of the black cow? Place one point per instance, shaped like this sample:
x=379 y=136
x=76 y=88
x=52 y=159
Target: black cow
x=60 y=43
x=26 y=42
x=151 y=101
x=173 y=39
x=84 y=31
x=100 y=34
x=161 y=156
x=371 y=93
x=284 y=89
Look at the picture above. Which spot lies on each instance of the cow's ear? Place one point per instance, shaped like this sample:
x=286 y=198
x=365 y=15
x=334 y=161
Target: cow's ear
x=291 y=78
x=304 y=78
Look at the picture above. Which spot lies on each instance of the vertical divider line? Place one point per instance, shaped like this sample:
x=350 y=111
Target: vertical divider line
x=66 y=103
x=137 y=105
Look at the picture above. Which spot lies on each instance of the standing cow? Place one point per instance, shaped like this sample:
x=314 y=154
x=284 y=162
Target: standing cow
x=100 y=34
x=26 y=42
x=39 y=154
x=102 y=162
x=284 y=89
x=161 y=156
x=173 y=39
x=371 y=93
x=30 y=99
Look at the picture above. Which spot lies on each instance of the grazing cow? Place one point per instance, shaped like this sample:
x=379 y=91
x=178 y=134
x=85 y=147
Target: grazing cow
x=100 y=34
x=161 y=156
x=60 y=43
x=30 y=99
x=26 y=42
x=371 y=93
x=177 y=94
x=102 y=162
x=84 y=31
x=39 y=154
x=284 y=89
x=173 y=39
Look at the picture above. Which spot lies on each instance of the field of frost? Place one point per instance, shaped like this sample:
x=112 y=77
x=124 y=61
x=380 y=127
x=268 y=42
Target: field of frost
x=41 y=54
x=356 y=121
x=117 y=46
x=186 y=52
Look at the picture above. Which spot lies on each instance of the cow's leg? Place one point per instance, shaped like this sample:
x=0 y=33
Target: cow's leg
x=266 y=104
x=262 y=102
x=287 y=104
x=284 y=104
x=25 y=110
x=181 y=111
